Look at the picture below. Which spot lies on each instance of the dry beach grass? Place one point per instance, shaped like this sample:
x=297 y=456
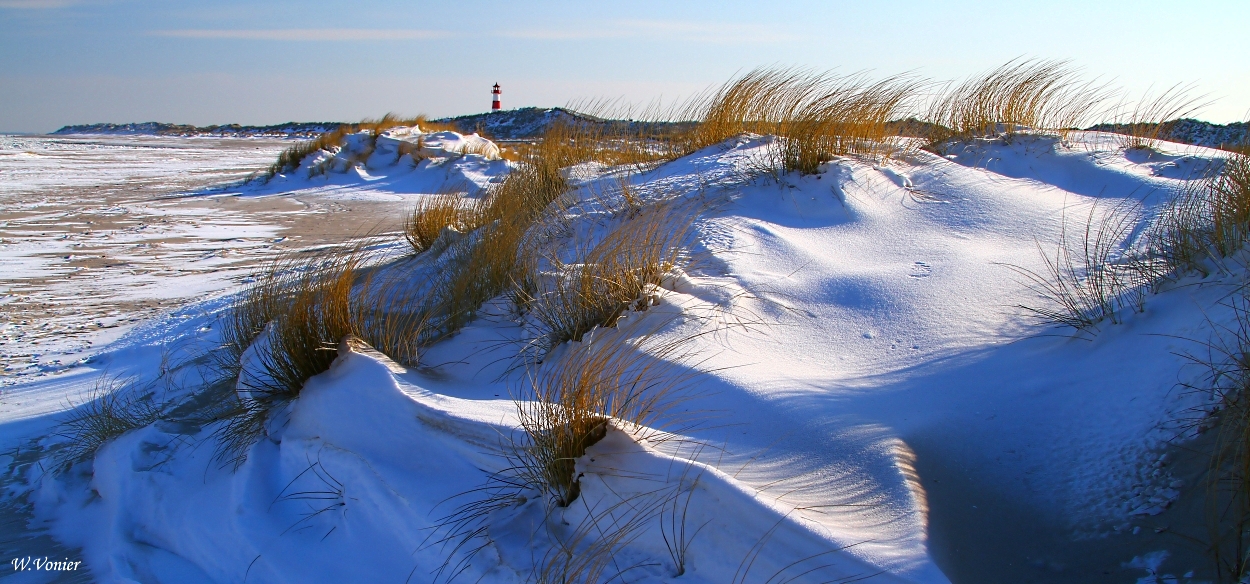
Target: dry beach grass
x=1092 y=277
x=1021 y=95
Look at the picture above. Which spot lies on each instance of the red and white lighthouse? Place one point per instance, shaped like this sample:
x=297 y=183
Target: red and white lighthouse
x=494 y=98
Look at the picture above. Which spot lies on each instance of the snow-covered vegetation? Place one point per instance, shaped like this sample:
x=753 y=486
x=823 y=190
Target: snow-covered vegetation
x=778 y=342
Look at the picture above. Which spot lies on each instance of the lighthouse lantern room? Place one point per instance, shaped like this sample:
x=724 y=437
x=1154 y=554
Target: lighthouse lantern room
x=494 y=99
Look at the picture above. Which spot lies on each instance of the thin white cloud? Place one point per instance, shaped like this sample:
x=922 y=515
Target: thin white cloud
x=37 y=4
x=306 y=34
x=701 y=32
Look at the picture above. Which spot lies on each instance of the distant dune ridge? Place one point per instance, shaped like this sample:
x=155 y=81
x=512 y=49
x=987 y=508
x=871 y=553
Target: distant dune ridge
x=1191 y=131
x=289 y=129
x=517 y=124
x=530 y=122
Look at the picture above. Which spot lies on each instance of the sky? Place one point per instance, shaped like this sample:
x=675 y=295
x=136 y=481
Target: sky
x=263 y=62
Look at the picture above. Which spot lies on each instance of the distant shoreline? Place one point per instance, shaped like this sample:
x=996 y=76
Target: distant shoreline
x=516 y=124
x=529 y=123
x=287 y=130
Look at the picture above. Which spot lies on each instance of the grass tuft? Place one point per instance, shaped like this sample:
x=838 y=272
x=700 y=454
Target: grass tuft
x=1099 y=278
x=1023 y=94
x=620 y=272
x=1084 y=281
x=300 y=341
x=1209 y=221
x=286 y=328
x=433 y=215
x=1148 y=123
x=113 y=408
x=566 y=405
x=291 y=158
x=816 y=116
x=605 y=383
x=1227 y=365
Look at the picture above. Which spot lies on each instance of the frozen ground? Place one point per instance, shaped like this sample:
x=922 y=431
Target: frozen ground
x=99 y=233
x=886 y=413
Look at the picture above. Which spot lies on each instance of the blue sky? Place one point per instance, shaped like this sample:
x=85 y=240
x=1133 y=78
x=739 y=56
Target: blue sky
x=83 y=61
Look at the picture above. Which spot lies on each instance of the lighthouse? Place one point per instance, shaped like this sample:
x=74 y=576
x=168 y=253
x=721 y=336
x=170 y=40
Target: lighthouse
x=494 y=99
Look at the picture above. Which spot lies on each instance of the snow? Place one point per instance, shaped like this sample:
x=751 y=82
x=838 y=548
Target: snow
x=868 y=356
x=95 y=238
x=400 y=162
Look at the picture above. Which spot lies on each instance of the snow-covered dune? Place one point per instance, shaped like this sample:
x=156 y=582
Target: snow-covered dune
x=869 y=385
x=400 y=161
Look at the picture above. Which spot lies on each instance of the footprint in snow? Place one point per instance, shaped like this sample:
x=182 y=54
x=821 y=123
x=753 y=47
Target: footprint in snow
x=921 y=270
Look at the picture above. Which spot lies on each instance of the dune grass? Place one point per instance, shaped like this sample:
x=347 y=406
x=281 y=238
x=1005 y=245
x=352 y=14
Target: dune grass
x=1098 y=277
x=278 y=333
x=434 y=214
x=116 y=405
x=286 y=328
x=1084 y=280
x=607 y=132
x=605 y=383
x=113 y=407
x=337 y=297
x=265 y=309
x=1205 y=223
x=604 y=279
x=474 y=273
x=249 y=312
x=851 y=118
x=1227 y=364
x=566 y=405
x=313 y=306
x=1023 y=94
x=291 y=158
x=485 y=266
x=816 y=116
x=1146 y=124
x=619 y=200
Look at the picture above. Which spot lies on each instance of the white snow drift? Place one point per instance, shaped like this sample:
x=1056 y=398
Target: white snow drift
x=858 y=315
